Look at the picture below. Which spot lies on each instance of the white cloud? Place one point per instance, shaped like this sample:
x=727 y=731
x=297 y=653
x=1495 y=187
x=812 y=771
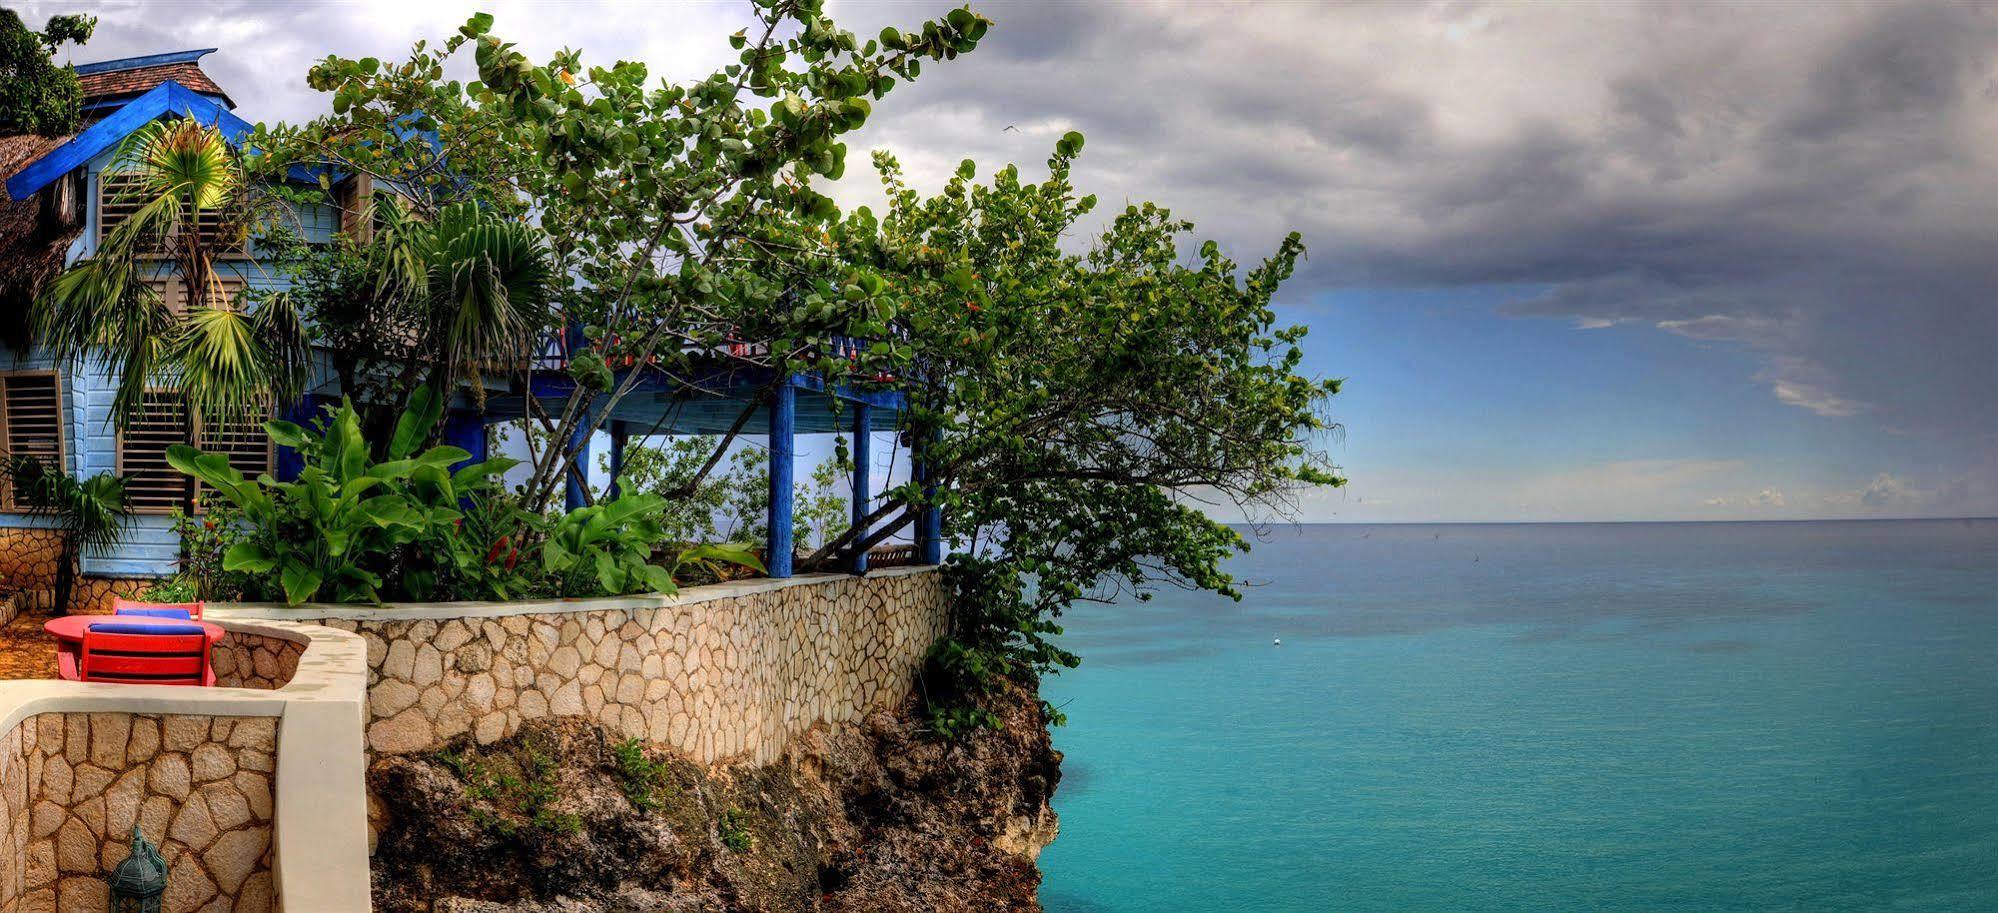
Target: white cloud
x=1816 y=399
x=1889 y=493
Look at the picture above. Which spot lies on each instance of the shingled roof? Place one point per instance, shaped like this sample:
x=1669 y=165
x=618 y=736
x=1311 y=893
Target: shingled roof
x=116 y=80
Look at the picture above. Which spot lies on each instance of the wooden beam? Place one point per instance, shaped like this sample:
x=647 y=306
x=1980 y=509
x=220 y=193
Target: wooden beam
x=574 y=496
x=620 y=433
x=783 y=456
x=863 y=463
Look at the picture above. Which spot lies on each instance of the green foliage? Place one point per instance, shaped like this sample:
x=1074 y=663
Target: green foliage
x=352 y=528
x=90 y=513
x=607 y=548
x=36 y=96
x=733 y=505
x=442 y=301
x=192 y=204
x=518 y=788
x=642 y=190
x=671 y=470
x=349 y=522
x=1079 y=403
x=206 y=536
x=180 y=587
x=818 y=510
x=733 y=829
x=643 y=779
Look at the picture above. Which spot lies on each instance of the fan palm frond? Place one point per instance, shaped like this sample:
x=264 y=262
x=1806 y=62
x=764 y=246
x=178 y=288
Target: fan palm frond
x=488 y=281
x=189 y=202
x=92 y=512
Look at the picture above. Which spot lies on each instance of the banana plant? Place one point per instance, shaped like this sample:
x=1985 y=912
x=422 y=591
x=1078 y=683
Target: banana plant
x=612 y=545
x=348 y=517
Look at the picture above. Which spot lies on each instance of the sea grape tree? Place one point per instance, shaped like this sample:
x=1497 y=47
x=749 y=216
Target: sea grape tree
x=1081 y=408
x=645 y=191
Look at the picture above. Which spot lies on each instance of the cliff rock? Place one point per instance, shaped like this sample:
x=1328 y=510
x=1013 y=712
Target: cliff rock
x=879 y=817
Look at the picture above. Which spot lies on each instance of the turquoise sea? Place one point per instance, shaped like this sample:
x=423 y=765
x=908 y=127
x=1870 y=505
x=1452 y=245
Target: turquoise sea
x=1545 y=718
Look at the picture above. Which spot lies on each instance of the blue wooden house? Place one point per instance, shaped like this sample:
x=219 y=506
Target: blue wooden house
x=60 y=199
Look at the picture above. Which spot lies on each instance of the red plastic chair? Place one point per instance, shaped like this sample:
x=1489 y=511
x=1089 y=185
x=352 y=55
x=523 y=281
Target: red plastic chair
x=122 y=606
x=140 y=654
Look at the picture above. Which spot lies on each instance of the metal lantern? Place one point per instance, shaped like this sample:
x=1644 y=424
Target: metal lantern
x=138 y=883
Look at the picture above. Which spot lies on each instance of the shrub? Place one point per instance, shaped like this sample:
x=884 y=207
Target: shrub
x=642 y=778
x=733 y=828
x=348 y=519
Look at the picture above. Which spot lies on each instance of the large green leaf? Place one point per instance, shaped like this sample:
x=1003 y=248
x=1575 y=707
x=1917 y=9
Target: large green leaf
x=444 y=456
x=609 y=575
x=301 y=581
x=479 y=472
x=287 y=434
x=659 y=580
x=419 y=415
x=212 y=469
x=250 y=557
x=727 y=552
x=391 y=510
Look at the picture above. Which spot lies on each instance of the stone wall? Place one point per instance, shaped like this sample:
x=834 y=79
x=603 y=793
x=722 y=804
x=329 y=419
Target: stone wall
x=729 y=672
x=255 y=793
x=92 y=594
x=13 y=603
x=74 y=784
x=245 y=660
x=28 y=561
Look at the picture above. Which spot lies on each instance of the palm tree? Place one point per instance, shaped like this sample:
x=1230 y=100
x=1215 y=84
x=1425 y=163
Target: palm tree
x=475 y=283
x=190 y=203
x=90 y=514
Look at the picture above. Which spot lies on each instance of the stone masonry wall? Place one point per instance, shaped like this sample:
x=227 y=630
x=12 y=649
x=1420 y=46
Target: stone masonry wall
x=245 y=660
x=28 y=560
x=721 y=678
x=93 y=595
x=72 y=785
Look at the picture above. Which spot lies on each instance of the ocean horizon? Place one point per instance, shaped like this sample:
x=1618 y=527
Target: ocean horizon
x=1615 y=716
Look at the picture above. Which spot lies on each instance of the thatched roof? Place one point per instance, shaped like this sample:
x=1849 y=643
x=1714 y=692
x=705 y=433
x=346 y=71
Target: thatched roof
x=31 y=248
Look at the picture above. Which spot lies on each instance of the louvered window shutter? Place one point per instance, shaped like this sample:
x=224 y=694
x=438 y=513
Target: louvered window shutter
x=118 y=198
x=241 y=439
x=30 y=422
x=152 y=486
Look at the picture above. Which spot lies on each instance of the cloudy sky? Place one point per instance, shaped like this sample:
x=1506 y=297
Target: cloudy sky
x=1620 y=261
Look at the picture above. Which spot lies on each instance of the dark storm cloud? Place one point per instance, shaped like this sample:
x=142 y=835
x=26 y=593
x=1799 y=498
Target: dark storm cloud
x=1813 y=183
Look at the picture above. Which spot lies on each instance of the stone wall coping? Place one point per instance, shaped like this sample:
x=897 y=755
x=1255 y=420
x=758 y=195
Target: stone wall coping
x=319 y=825
x=441 y=611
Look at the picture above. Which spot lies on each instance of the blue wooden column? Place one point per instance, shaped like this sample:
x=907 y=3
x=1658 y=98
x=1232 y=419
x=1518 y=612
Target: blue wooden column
x=929 y=524
x=466 y=429
x=304 y=413
x=783 y=453
x=620 y=433
x=863 y=461
x=573 y=495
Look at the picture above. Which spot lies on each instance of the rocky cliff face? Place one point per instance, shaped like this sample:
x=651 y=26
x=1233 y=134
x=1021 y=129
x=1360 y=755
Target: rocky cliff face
x=875 y=818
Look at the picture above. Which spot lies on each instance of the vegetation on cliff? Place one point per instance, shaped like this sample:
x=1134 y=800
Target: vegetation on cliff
x=878 y=818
